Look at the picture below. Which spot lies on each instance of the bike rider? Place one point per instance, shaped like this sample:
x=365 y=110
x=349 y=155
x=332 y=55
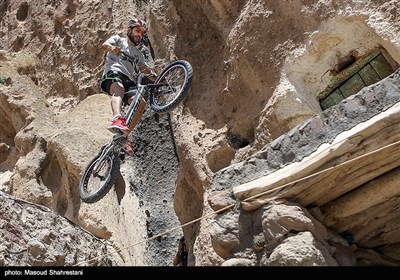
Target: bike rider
x=117 y=75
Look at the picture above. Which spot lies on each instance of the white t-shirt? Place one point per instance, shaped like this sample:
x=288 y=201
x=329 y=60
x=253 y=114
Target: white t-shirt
x=116 y=63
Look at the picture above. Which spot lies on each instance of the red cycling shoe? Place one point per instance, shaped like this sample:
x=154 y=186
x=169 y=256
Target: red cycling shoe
x=118 y=125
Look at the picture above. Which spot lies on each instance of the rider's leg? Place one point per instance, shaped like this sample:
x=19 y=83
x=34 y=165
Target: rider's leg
x=118 y=124
x=117 y=91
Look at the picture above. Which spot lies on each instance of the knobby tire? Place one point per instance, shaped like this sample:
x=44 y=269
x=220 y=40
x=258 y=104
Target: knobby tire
x=168 y=97
x=105 y=181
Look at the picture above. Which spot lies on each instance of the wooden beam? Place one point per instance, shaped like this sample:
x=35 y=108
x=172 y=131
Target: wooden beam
x=366 y=223
x=377 y=191
x=286 y=182
x=389 y=233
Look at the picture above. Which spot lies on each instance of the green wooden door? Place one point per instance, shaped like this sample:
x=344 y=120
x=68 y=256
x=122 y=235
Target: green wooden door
x=364 y=72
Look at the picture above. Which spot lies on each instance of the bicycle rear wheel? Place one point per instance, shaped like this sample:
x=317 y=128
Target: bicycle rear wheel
x=176 y=77
x=95 y=184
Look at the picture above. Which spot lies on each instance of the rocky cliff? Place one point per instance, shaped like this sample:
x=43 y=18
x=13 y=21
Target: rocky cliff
x=253 y=111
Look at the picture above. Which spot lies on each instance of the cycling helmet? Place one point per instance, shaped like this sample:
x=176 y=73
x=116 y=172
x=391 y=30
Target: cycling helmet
x=135 y=22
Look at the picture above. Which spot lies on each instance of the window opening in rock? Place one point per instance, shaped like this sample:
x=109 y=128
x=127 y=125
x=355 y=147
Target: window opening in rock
x=355 y=74
x=236 y=141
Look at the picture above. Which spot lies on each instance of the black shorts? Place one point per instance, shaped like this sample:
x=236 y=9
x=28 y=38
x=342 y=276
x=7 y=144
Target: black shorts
x=115 y=76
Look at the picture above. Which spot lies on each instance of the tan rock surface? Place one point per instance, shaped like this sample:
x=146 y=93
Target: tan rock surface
x=258 y=68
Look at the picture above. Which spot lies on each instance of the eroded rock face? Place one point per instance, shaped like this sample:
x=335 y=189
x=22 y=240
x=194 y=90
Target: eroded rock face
x=258 y=68
x=278 y=234
x=300 y=250
x=34 y=235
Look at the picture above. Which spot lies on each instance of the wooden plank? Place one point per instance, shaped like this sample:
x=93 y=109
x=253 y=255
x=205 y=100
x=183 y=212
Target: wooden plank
x=352 y=86
x=390 y=59
x=325 y=156
x=326 y=187
x=374 y=192
x=388 y=233
x=361 y=225
x=332 y=99
x=368 y=75
x=381 y=66
x=366 y=169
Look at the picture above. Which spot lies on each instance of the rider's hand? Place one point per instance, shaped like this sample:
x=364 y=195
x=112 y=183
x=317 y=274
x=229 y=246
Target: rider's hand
x=116 y=50
x=145 y=69
x=149 y=73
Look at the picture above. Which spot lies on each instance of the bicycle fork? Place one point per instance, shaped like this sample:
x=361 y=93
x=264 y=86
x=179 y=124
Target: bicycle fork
x=115 y=143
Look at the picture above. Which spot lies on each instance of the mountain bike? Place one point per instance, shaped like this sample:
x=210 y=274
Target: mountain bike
x=163 y=95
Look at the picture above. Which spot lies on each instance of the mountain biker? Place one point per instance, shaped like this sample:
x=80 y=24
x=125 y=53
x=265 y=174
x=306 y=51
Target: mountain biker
x=117 y=76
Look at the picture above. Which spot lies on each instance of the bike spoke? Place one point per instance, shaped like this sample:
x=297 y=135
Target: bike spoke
x=98 y=177
x=175 y=80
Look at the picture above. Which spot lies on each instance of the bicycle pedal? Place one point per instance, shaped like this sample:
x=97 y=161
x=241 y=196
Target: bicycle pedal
x=122 y=156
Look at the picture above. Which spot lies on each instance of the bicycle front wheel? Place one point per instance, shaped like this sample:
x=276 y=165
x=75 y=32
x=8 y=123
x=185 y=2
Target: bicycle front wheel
x=98 y=177
x=176 y=78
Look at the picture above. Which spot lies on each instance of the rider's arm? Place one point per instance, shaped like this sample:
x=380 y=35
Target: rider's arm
x=146 y=69
x=108 y=45
x=149 y=72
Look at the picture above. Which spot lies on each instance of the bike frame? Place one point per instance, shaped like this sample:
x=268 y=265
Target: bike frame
x=162 y=95
x=140 y=90
x=118 y=138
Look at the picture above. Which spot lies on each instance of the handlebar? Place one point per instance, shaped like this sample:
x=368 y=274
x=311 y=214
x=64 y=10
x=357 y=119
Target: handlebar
x=124 y=56
x=135 y=60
